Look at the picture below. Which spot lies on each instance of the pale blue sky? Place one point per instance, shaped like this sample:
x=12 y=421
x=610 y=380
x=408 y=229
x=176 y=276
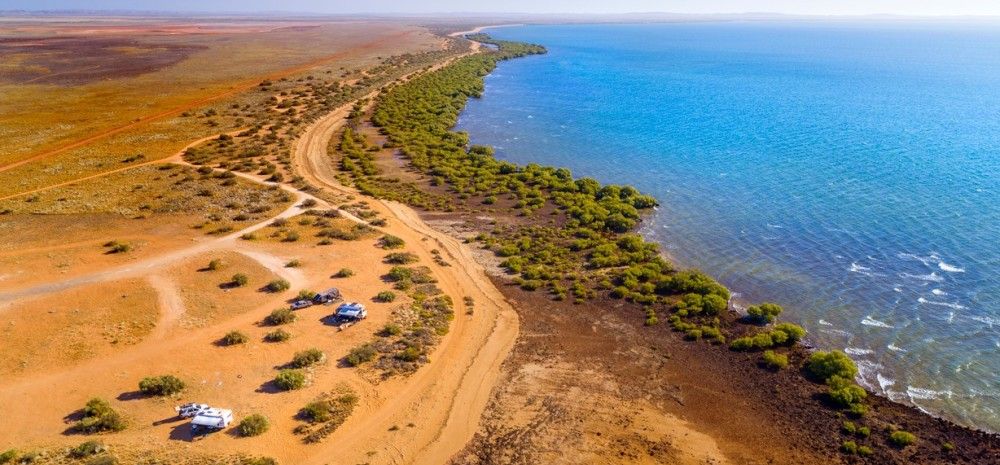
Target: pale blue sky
x=820 y=7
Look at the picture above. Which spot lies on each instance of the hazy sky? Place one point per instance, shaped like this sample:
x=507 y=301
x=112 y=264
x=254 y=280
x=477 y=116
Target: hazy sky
x=822 y=7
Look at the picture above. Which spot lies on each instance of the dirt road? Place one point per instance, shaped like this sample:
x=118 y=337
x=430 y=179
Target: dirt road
x=449 y=395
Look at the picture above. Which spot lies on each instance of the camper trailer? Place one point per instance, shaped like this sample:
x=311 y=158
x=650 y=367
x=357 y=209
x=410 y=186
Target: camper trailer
x=211 y=420
x=350 y=312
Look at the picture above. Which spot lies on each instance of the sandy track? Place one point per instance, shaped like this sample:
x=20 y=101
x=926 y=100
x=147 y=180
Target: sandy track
x=170 y=304
x=444 y=400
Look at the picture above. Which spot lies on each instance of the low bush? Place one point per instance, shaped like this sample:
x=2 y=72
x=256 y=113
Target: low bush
x=849 y=447
x=401 y=258
x=844 y=392
x=344 y=273
x=98 y=416
x=115 y=247
x=385 y=296
x=8 y=456
x=293 y=264
x=214 y=265
x=361 y=354
x=278 y=335
x=288 y=380
x=280 y=316
x=260 y=461
x=823 y=365
x=234 y=337
x=277 y=285
x=239 y=280
x=85 y=449
x=165 y=385
x=389 y=241
x=307 y=358
x=390 y=329
x=901 y=439
x=763 y=313
x=253 y=425
x=774 y=361
x=306 y=295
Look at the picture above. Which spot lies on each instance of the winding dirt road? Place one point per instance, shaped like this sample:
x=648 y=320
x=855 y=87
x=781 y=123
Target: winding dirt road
x=447 y=396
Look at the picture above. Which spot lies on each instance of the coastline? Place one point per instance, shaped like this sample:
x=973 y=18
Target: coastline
x=808 y=391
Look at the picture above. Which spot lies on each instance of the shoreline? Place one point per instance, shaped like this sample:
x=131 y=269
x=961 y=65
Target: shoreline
x=739 y=303
x=819 y=418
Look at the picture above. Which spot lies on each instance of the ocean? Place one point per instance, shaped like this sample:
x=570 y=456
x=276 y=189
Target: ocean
x=849 y=172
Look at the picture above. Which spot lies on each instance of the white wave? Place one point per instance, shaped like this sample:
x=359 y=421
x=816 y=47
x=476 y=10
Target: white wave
x=867 y=371
x=942 y=304
x=838 y=332
x=775 y=226
x=938 y=292
x=928 y=261
x=895 y=348
x=825 y=323
x=869 y=321
x=950 y=268
x=863 y=270
x=933 y=277
x=884 y=382
x=916 y=393
x=858 y=351
x=987 y=320
x=897 y=289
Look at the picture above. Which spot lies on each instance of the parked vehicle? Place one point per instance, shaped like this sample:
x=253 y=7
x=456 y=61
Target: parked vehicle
x=350 y=312
x=328 y=296
x=190 y=410
x=210 y=420
x=298 y=304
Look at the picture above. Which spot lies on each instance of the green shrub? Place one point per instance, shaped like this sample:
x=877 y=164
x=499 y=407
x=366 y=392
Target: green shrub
x=901 y=439
x=234 y=337
x=280 y=316
x=165 y=385
x=410 y=354
x=401 y=258
x=344 y=273
x=390 y=329
x=945 y=447
x=774 y=361
x=288 y=380
x=8 y=456
x=865 y=451
x=385 y=296
x=844 y=392
x=651 y=319
x=277 y=285
x=361 y=354
x=293 y=264
x=98 y=416
x=85 y=449
x=115 y=247
x=389 y=241
x=763 y=313
x=822 y=365
x=214 y=265
x=329 y=408
x=260 y=461
x=307 y=358
x=278 y=335
x=239 y=280
x=306 y=295
x=253 y=425
x=849 y=447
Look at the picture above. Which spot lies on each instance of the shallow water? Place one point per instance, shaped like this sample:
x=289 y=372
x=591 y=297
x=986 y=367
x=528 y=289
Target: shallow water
x=848 y=172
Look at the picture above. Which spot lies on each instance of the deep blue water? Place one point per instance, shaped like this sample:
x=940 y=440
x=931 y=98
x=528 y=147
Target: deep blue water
x=848 y=172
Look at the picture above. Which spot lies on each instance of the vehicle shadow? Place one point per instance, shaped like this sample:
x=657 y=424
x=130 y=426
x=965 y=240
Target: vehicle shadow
x=182 y=432
x=164 y=421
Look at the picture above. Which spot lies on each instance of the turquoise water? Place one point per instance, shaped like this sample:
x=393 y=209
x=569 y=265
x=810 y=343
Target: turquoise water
x=848 y=172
